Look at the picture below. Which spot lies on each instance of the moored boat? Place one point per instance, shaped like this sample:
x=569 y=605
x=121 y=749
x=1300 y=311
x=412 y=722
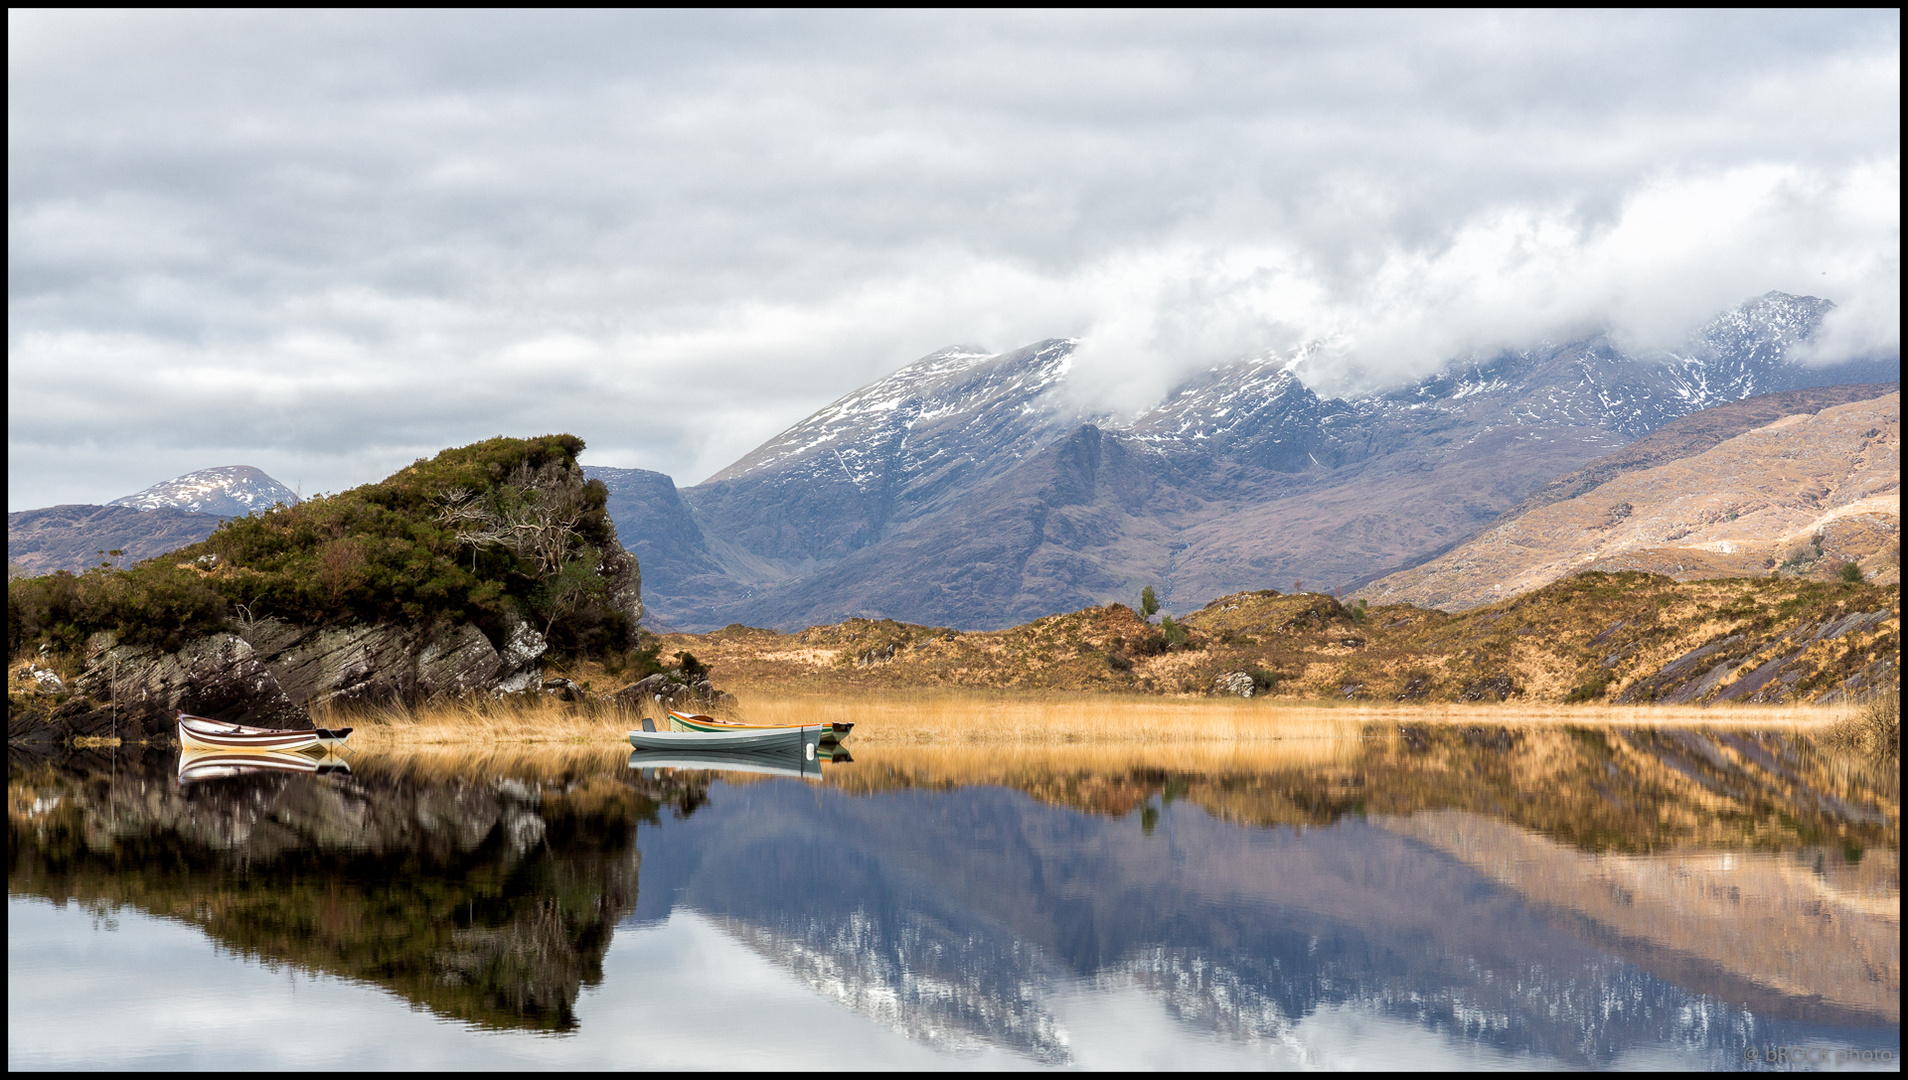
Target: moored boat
x=682 y=721
x=202 y=733
x=802 y=741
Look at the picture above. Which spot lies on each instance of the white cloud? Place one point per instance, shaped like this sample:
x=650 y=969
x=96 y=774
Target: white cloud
x=338 y=241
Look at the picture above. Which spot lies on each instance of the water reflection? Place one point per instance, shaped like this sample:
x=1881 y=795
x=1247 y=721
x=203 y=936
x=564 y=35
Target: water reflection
x=1548 y=896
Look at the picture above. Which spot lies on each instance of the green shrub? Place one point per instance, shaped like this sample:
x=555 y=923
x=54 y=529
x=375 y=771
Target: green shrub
x=1852 y=573
x=1264 y=681
x=1175 y=634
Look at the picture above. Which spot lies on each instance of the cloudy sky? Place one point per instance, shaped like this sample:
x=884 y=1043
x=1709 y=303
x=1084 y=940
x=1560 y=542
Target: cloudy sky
x=326 y=244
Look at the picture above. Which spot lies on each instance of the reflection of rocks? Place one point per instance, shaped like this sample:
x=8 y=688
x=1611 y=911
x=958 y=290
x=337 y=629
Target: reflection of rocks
x=488 y=900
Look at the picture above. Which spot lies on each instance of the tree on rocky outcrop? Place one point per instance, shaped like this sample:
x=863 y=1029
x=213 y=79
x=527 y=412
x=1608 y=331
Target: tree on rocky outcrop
x=1149 y=602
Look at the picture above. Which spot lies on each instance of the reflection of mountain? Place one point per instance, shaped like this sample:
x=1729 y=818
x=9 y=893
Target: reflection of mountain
x=1638 y=790
x=1797 y=926
x=952 y=914
x=489 y=900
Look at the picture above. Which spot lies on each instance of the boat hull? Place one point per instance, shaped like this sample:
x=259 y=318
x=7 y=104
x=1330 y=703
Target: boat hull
x=802 y=741
x=199 y=733
x=696 y=722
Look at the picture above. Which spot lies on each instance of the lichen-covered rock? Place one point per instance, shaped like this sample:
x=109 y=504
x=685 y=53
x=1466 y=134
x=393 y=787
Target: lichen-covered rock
x=519 y=667
x=1237 y=683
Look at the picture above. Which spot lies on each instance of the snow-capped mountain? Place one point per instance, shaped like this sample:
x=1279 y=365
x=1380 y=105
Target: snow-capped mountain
x=976 y=468
x=228 y=491
x=889 y=453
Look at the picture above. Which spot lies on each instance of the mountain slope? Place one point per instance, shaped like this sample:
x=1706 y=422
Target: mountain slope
x=906 y=498
x=70 y=537
x=1807 y=491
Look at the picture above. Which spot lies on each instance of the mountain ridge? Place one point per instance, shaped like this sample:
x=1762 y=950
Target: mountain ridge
x=879 y=503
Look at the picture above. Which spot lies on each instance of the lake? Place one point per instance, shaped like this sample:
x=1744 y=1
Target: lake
x=1408 y=897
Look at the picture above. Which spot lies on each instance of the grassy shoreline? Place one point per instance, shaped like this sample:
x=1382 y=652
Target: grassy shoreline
x=962 y=717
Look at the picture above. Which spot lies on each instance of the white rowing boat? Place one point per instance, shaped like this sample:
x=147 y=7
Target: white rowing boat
x=200 y=733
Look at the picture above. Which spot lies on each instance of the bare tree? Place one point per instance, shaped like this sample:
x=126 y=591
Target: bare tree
x=534 y=514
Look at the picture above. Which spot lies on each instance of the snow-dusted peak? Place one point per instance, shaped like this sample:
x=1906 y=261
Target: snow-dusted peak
x=1221 y=399
x=228 y=491
x=935 y=390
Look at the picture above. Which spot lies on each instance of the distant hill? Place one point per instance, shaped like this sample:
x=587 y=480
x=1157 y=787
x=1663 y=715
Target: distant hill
x=966 y=490
x=164 y=517
x=227 y=491
x=70 y=537
x=1799 y=495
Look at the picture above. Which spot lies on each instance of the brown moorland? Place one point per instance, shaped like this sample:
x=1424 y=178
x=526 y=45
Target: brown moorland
x=1631 y=638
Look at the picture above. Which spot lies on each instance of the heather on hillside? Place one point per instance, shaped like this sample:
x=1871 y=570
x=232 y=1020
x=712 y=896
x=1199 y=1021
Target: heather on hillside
x=499 y=530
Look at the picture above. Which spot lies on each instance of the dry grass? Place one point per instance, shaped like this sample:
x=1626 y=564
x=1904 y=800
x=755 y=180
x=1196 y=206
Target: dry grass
x=1872 y=728
x=482 y=720
x=926 y=717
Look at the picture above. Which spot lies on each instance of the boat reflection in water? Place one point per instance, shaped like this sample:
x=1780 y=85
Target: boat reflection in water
x=1547 y=897
x=198 y=765
x=801 y=761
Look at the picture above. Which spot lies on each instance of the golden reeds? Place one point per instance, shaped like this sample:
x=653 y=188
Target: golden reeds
x=1872 y=729
x=938 y=716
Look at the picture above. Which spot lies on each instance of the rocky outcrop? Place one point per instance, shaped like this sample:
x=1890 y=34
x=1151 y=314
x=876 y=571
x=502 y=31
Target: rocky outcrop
x=625 y=583
x=220 y=676
x=664 y=689
x=316 y=665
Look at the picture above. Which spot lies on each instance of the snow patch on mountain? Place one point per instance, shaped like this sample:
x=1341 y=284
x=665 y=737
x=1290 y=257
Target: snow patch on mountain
x=228 y=491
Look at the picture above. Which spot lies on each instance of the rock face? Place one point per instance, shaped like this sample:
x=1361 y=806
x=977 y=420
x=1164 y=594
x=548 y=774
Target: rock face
x=318 y=665
x=219 y=676
x=951 y=492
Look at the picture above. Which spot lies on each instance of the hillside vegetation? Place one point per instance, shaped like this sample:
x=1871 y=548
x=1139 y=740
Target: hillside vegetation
x=1616 y=637
x=499 y=530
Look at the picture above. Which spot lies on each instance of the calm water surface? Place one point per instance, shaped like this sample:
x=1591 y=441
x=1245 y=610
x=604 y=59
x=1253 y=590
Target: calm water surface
x=1431 y=898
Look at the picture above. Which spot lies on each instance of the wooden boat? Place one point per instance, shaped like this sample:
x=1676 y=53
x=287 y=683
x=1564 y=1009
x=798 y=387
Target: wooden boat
x=197 y=765
x=682 y=721
x=802 y=741
x=201 y=733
